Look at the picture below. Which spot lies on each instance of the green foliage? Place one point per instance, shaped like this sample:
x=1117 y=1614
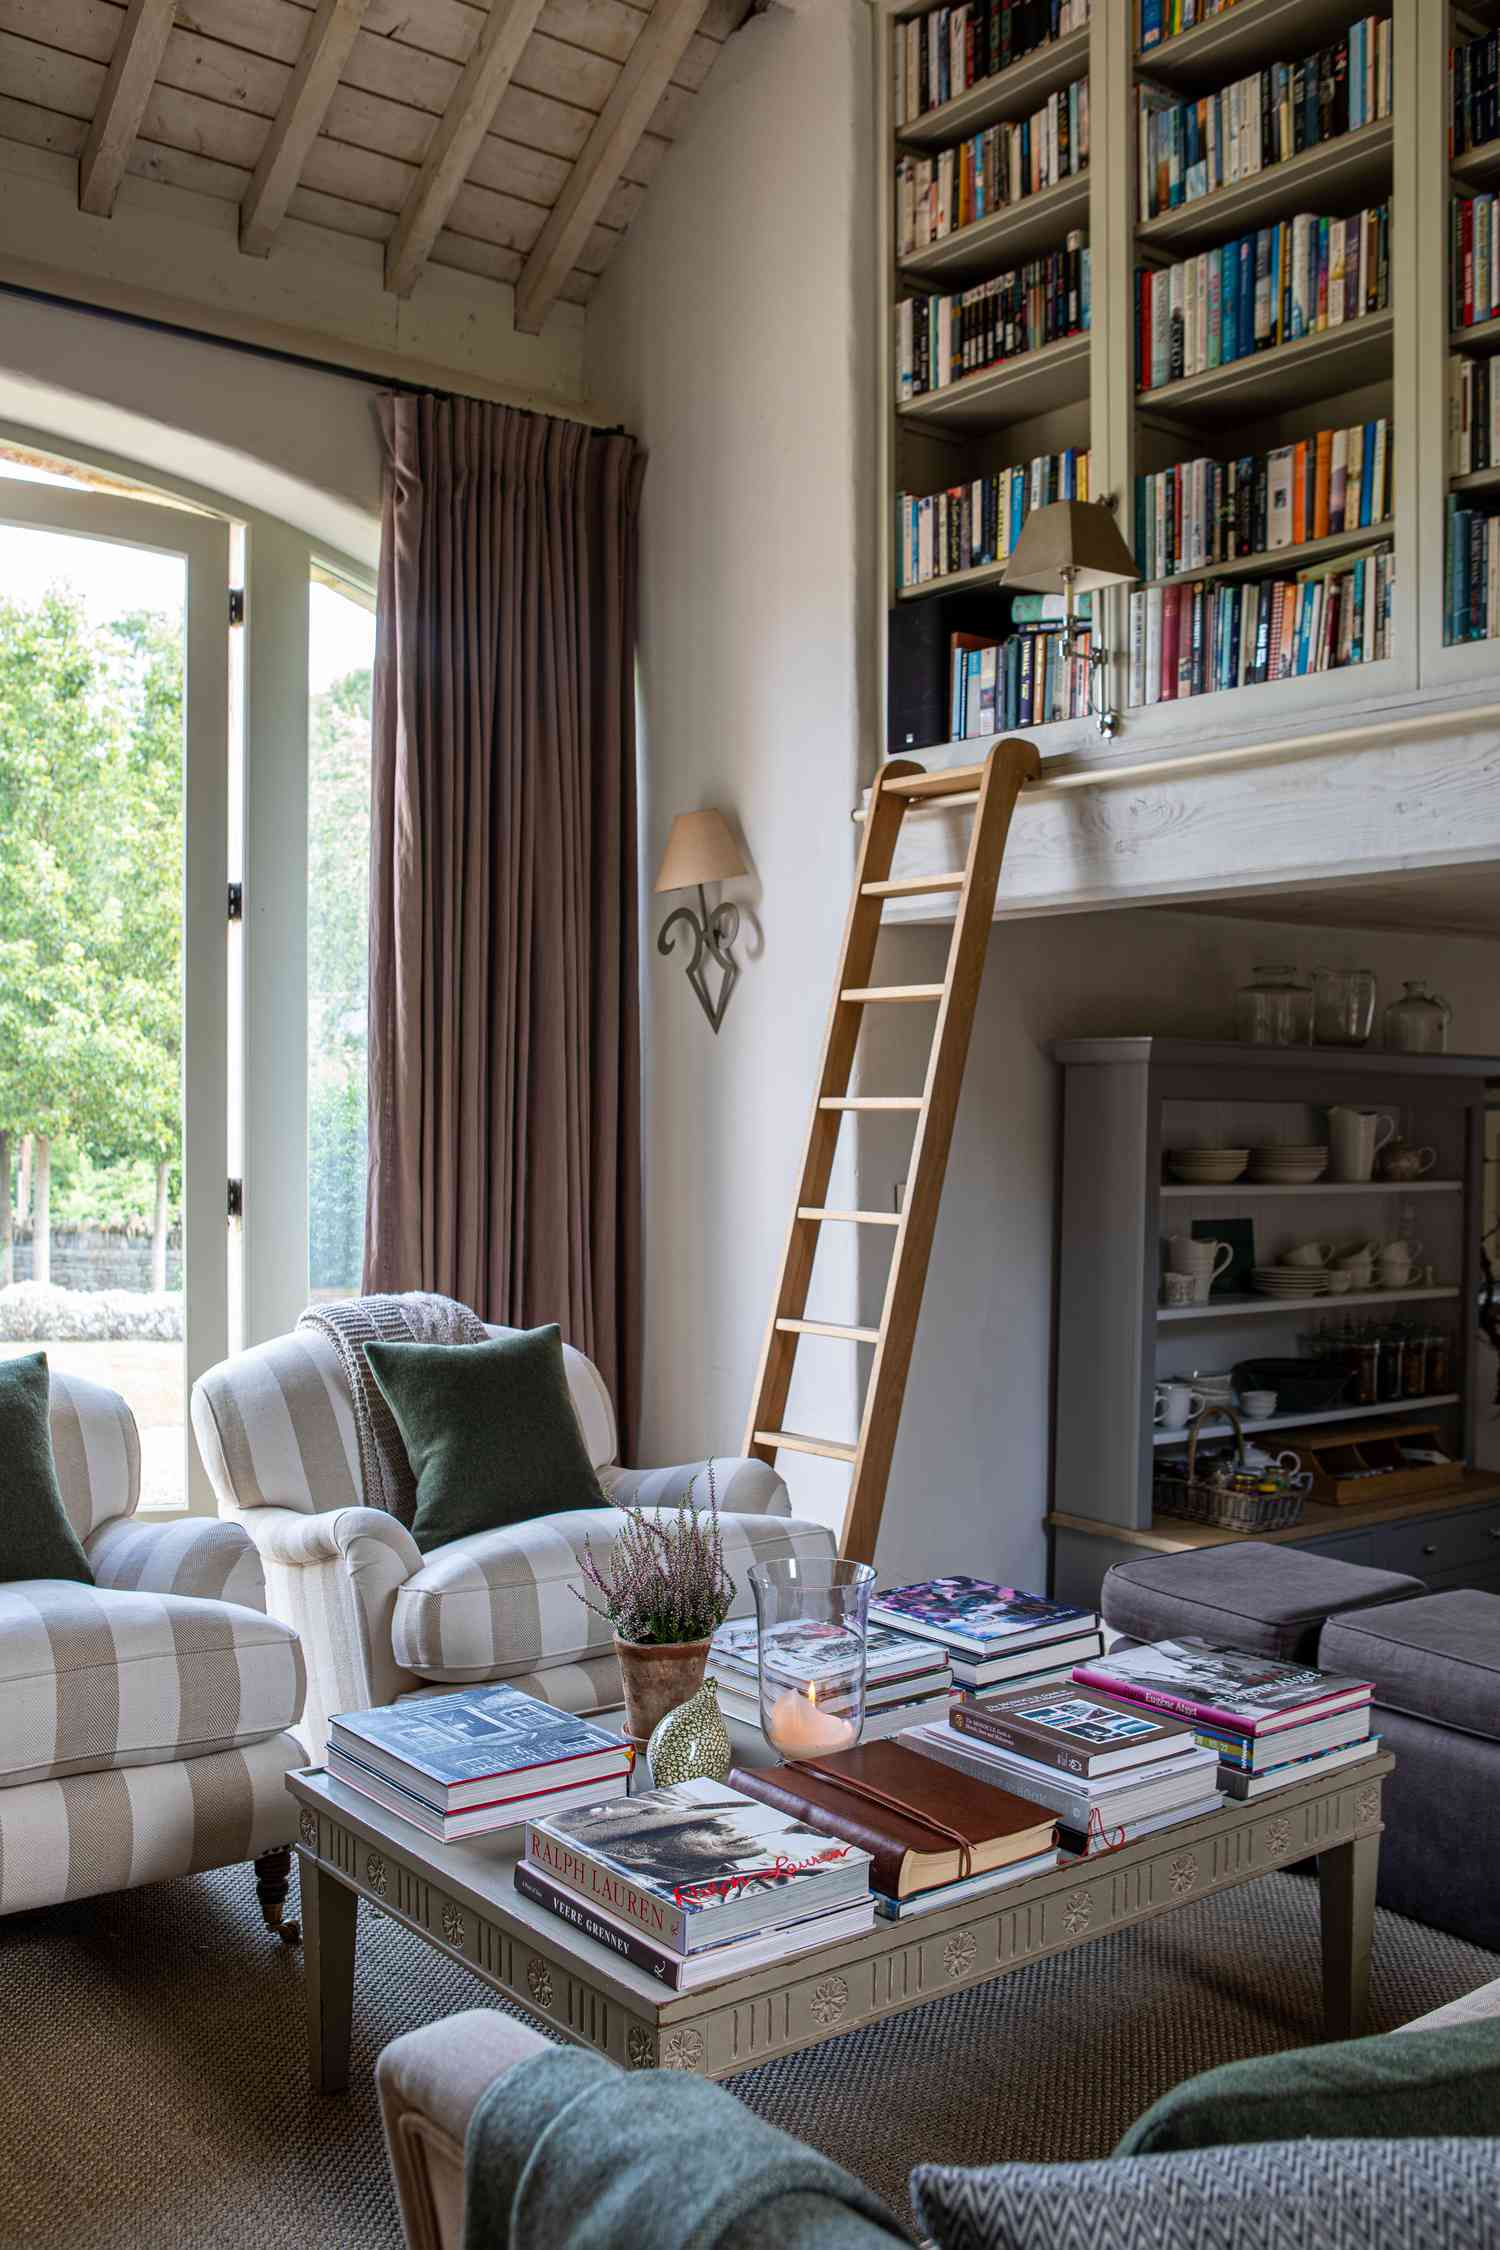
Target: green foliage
x=338 y=849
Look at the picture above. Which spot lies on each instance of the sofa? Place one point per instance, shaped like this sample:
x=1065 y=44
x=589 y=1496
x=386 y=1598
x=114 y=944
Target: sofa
x=432 y=2080
x=147 y=1716
x=379 y=1619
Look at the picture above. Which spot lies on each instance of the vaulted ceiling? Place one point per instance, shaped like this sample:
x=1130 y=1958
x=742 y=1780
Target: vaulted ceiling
x=514 y=140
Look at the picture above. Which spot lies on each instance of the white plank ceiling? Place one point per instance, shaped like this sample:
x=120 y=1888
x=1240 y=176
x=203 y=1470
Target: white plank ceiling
x=514 y=140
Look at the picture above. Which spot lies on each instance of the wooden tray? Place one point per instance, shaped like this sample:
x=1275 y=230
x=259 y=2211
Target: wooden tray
x=1341 y=1461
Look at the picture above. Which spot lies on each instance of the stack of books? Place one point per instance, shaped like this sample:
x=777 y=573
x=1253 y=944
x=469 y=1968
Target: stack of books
x=696 y=1882
x=1476 y=260
x=1203 y=511
x=995 y=1636
x=934 y=1838
x=1027 y=680
x=957 y=187
x=479 y=1759
x=1109 y=1771
x=907 y=1680
x=1471 y=594
x=940 y=340
x=942 y=54
x=1269 y=1724
x=977 y=523
x=1474 y=93
x=1196 y=635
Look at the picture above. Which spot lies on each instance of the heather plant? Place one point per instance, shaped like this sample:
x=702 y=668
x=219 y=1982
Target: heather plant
x=665 y=1579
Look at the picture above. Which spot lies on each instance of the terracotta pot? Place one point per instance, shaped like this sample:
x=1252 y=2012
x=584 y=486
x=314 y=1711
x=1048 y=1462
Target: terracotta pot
x=656 y=1679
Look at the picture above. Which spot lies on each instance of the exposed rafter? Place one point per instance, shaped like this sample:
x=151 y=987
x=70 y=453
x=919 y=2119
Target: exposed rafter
x=122 y=103
x=617 y=131
x=298 y=121
x=455 y=144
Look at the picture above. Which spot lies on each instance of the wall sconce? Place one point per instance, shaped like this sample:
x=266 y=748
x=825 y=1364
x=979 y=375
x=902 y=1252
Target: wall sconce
x=701 y=849
x=1073 y=547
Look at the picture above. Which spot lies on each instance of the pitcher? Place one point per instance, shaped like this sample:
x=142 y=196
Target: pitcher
x=1355 y=1139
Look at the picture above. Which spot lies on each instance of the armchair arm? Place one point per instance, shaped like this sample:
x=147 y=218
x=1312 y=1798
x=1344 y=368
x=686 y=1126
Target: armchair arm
x=334 y=1578
x=193 y=1555
x=745 y=1487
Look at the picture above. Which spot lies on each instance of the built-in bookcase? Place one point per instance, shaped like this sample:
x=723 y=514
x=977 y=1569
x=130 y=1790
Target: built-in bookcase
x=1471 y=529
x=1384 y=366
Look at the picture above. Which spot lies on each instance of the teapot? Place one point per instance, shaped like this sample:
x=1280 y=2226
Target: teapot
x=1399 y=1160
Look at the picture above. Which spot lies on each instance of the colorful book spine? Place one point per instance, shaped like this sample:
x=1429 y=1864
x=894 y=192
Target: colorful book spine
x=939 y=56
x=1473 y=99
x=1472 y=592
x=937 y=195
x=941 y=339
x=1204 y=511
x=1475 y=260
x=1214 y=635
x=1160 y=20
x=971 y=525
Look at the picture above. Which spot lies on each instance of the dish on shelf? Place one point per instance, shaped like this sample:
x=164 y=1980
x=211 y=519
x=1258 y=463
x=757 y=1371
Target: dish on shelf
x=1289 y=1281
x=1288 y=1165
x=1302 y=1386
x=1207 y=1167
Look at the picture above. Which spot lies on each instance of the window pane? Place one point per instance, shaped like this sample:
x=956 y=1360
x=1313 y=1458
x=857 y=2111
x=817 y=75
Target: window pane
x=341 y=656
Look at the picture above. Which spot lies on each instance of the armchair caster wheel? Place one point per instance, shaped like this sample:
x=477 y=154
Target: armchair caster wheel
x=273 y=1879
x=290 y=1933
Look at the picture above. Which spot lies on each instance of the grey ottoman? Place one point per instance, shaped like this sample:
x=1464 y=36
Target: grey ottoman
x=1267 y=1600
x=1436 y=1668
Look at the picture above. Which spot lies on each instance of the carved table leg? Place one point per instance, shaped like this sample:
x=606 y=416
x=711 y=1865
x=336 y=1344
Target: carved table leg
x=273 y=1879
x=1346 y=1884
x=329 y=1913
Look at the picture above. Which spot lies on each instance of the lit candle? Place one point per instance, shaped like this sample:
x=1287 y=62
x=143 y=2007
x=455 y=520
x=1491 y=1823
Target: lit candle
x=797 y=1726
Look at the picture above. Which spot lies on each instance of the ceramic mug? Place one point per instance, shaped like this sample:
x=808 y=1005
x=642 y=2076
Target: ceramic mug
x=1358 y=1254
x=1258 y=1405
x=1176 y=1404
x=1178 y=1289
x=1400 y=1253
x=1186 y=1255
x=1308 y=1254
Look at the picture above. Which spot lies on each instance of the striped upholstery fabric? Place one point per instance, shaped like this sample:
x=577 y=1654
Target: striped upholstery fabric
x=593 y=1684
x=98 y=1452
x=92 y=1680
x=744 y=1487
x=196 y=1555
x=109 y=1831
x=502 y=1603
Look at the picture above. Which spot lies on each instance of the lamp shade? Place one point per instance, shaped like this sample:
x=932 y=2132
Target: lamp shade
x=700 y=849
x=1080 y=536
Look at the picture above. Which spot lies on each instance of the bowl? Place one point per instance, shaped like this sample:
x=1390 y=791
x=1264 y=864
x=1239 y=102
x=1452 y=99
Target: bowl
x=1302 y=1386
x=1207 y=1167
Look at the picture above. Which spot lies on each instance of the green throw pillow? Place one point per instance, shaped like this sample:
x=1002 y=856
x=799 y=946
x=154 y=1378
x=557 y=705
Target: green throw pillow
x=489 y=1430
x=36 y=1538
x=1407 y=2085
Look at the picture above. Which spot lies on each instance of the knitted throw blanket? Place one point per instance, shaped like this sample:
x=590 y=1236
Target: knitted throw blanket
x=349 y=1325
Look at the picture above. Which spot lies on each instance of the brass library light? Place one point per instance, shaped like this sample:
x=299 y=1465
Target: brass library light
x=1073 y=547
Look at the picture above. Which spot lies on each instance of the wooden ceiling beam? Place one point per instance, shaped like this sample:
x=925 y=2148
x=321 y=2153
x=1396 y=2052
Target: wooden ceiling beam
x=298 y=121
x=122 y=103
x=646 y=74
x=455 y=143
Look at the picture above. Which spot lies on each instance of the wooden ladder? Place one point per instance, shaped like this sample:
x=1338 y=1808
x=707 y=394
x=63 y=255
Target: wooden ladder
x=992 y=789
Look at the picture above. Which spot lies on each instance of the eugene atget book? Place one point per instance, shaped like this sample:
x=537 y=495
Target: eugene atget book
x=697 y=1863
x=479 y=1745
x=1222 y=1686
x=976 y=1616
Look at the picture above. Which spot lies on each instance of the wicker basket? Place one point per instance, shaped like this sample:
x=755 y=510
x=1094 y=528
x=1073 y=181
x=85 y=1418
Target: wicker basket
x=1201 y=1501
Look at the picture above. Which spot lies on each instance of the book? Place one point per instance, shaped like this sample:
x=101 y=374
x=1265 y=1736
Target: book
x=1099 y=1836
x=856 y=1794
x=1223 y=1687
x=1078 y=1734
x=1254 y=1753
x=688 y=1972
x=472 y=1820
x=820 y=1650
x=977 y=1618
x=1135 y=1794
x=1243 y=1786
x=697 y=1863
x=958 y=1894
x=1006 y=1671
x=478 y=1746
x=881 y=1719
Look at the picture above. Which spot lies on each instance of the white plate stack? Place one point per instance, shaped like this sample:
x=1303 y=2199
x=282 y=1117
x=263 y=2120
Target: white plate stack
x=1288 y=1164
x=1289 y=1281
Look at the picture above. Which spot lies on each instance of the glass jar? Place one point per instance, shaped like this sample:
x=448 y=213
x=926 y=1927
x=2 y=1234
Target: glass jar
x=1274 y=1009
x=1414 y=1363
x=1388 y=1385
x=1367 y=1356
x=1439 y=1361
x=1417 y=1022
x=812 y=1621
x=1343 y=1006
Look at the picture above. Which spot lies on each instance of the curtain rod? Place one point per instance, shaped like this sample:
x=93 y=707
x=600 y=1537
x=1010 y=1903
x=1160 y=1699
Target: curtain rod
x=278 y=353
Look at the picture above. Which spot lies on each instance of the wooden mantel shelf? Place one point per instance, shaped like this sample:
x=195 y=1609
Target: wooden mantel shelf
x=1169 y=1535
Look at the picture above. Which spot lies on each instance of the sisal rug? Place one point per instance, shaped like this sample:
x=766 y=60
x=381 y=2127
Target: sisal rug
x=155 y=2097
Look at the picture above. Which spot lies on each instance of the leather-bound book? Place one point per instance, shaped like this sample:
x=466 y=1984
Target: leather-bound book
x=923 y=1824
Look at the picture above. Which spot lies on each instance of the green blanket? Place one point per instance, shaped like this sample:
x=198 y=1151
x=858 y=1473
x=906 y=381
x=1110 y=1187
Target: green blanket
x=568 y=2151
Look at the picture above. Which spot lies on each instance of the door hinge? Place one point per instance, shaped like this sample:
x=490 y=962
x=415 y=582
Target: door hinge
x=236 y=605
x=236 y=902
x=236 y=1199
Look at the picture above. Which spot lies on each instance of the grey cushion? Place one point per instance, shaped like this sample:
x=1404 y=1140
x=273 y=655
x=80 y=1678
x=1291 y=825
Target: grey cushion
x=1438 y=1658
x=1297 y=2195
x=1269 y=1601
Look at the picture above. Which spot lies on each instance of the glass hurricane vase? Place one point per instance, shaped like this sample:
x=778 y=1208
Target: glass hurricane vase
x=812 y=1621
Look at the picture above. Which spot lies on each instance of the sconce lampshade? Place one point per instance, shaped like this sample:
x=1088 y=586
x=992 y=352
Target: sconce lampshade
x=700 y=849
x=1077 y=536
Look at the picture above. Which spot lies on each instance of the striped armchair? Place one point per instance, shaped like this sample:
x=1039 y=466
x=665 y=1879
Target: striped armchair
x=147 y=1716
x=378 y=1619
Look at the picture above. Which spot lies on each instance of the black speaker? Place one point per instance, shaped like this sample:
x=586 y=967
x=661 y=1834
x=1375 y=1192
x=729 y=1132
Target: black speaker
x=919 y=683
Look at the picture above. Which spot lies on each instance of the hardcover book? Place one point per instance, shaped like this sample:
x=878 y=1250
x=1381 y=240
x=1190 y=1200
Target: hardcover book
x=698 y=1863
x=1223 y=1687
x=478 y=1744
x=817 y=1649
x=682 y=1972
x=1074 y=1732
x=556 y=1795
x=976 y=1616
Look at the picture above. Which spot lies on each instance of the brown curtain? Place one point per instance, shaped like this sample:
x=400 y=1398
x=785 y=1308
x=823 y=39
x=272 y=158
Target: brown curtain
x=504 y=1034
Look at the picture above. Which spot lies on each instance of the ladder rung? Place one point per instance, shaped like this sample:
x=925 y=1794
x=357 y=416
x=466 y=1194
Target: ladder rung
x=816 y=1213
x=829 y=1328
x=794 y=1443
x=913 y=886
x=950 y=783
x=871 y=1101
x=864 y=992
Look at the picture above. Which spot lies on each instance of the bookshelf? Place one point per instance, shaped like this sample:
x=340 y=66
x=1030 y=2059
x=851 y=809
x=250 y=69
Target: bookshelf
x=1470 y=124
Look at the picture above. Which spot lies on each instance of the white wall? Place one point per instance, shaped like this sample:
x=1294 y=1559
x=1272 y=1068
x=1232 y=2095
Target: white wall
x=727 y=332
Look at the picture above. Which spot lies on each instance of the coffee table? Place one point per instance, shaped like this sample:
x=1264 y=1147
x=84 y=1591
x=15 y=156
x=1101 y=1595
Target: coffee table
x=461 y=1898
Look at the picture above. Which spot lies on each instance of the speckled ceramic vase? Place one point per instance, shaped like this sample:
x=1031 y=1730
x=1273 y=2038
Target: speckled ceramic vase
x=656 y=1680
x=691 y=1743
